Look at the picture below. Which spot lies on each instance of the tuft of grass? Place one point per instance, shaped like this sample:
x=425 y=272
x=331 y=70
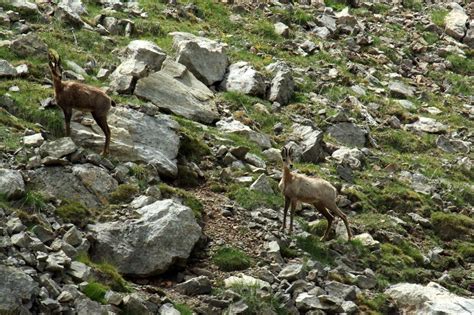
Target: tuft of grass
x=259 y=302
x=438 y=16
x=187 y=198
x=450 y=226
x=231 y=259
x=251 y=199
x=430 y=37
x=123 y=193
x=337 y=5
x=318 y=250
x=415 y=5
x=462 y=65
x=74 y=212
x=375 y=305
x=34 y=201
x=183 y=309
x=96 y=291
x=466 y=250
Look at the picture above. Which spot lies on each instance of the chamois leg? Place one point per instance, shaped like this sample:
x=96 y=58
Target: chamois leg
x=102 y=122
x=292 y=214
x=285 y=211
x=329 y=217
x=67 y=120
x=339 y=213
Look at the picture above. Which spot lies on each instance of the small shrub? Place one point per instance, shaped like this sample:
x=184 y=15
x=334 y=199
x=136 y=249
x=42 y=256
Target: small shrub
x=438 y=16
x=230 y=259
x=450 y=226
x=96 y=292
x=123 y=193
x=74 y=212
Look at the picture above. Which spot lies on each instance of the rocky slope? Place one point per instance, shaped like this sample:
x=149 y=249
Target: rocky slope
x=184 y=215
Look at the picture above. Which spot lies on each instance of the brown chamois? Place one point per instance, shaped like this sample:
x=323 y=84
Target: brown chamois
x=316 y=191
x=86 y=98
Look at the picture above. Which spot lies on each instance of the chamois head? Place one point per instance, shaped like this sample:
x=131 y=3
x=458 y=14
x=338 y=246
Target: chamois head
x=287 y=157
x=55 y=64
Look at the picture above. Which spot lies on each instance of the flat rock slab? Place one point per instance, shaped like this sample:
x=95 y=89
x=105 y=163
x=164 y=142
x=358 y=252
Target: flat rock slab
x=135 y=137
x=15 y=287
x=428 y=125
x=348 y=134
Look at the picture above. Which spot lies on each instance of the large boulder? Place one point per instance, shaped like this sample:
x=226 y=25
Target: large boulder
x=6 y=69
x=348 y=134
x=456 y=22
x=135 y=137
x=12 y=185
x=282 y=87
x=205 y=58
x=29 y=45
x=175 y=89
x=311 y=141
x=142 y=57
x=24 y=6
x=429 y=299
x=58 y=148
x=243 y=78
x=164 y=235
x=16 y=290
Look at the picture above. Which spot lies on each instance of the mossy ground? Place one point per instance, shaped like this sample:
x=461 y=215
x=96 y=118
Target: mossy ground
x=230 y=259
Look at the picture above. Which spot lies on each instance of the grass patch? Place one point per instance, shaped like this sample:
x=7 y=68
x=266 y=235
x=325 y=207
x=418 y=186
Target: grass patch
x=34 y=201
x=462 y=65
x=318 y=250
x=106 y=274
x=404 y=141
x=231 y=259
x=258 y=301
x=438 y=16
x=96 y=291
x=186 y=198
x=337 y=5
x=251 y=199
x=375 y=305
x=415 y=5
x=430 y=37
x=124 y=193
x=74 y=212
x=183 y=309
x=466 y=250
x=450 y=226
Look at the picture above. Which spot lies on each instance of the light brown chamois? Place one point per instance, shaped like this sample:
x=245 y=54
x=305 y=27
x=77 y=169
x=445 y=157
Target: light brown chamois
x=86 y=98
x=316 y=191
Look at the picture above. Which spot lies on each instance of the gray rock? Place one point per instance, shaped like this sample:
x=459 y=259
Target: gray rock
x=52 y=286
x=282 y=29
x=86 y=306
x=429 y=299
x=367 y=240
x=95 y=179
x=168 y=309
x=142 y=201
x=240 y=307
x=12 y=185
x=262 y=184
x=469 y=38
x=245 y=280
x=254 y=160
x=348 y=134
x=24 y=6
x=205 y=58
x=235 y=126
x=292 y=272
x=419 y=219
x=136 y=304
x=406 y=104
x=135 y=137
x=350 y=307
x=113 y=297
x=428 y=125
x=14 y=225
x=350 y=157
x=16 y=290
x=58 y=148
x=452 y=145
x=241 y=77
x=34 y=140
x=79 y=271
x=176 y=89
x=282 y=88
x=311 y=141
x=272 y=155
x=341 y=290
x=75 y=6
x=456 y=22
x=6 y=69
x=73 y=236
x=68 y=15
x=195 y=286
x=57 y=262
x=327 y=21
x=44 y=234
x=166 y=231
x=401 y=90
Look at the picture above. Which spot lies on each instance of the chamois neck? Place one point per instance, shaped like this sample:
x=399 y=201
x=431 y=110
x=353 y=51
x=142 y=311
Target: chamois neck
x=287 y=176
x=57 y=83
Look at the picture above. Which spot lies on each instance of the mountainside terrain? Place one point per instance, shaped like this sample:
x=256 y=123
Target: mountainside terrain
x=184 y=215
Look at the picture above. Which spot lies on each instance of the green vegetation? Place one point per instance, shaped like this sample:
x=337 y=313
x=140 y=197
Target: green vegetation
x=438 y=16
x=462 y=65
x=258 y=301
x=337 y=5
x=96 y=291
x=124 y=193
x=415 y=5
x=187 y=198
x=430 y=37
x=252 y=199
x=230 y=259
x=34 y=201
x=183 y=309
x=318 y=250
x=375 y=305
x=105 y=273
x=450 y=226
x=74 y=212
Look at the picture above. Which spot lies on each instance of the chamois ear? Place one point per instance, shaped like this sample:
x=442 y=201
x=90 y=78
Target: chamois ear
x=282 y=152
x=290 y=152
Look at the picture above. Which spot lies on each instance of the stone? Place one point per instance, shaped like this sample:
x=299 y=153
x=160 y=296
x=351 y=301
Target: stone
x=349 y=134
x=469 y=38
x=44 y=234
x=195 y=286
x=12 y=185
x=24 y=6
x=175 y=89
x=57 y=261
x=255 y=160
x=428 y=125
x=14 y=225
x=136 y=304
x=73 y=236
x=456 y=21
x=351 y=157
x=96 y=180
x=292 y=272
x=341 y=290
x=311 y=141
x=168 y=309
x=113 y=297
x=420 y=220
x=282 y=29
x=167 y=231
x=33 y=140
x=85 y=306
x=235 y=126
x=136 y=137
x=79 y=271
x=142 y=201
x=241 y=77
x=429 y=299
x=29 y=45
x=282 y=88
x=262 y=184
x=452 y=145
x=366 y=239
x=205 y=58
x=272 y=155
x=401 y=90
x=350 y=307
x=58 y=148
x=245 y=280
x=6 y=69
x=16 y=288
